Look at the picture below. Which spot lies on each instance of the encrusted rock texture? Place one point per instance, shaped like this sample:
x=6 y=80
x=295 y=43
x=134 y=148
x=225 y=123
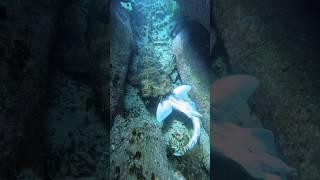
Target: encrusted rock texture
x=154 y=82
x=121 y=49
x=26 y=29
x=76 y=124
x=198 y=10
x=138 y=149
x=82 y=45
x=277 y=42
x=76 y=134
x=54 y=74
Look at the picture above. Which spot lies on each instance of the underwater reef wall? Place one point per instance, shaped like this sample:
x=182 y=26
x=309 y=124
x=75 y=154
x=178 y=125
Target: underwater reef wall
x=54 y=91
x=26 y=38
x=81 y=47
x=199 y=10
x=137 y=145
x=277 y=41
x=121 y=50
x=76 y=121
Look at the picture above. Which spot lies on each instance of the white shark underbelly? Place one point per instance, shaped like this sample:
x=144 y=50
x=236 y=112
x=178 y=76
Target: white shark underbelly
x=175 y=101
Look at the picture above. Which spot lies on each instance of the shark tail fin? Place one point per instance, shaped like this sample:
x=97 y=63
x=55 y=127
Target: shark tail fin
x=181 y=91
x=164 y=110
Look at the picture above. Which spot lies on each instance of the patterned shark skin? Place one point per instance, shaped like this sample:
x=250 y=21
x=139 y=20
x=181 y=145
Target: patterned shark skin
x=252 y=149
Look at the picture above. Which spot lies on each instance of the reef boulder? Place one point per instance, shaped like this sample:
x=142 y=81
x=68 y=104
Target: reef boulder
x=121 y=49
x=278 y=41
x=27 y=31
x=138 y=149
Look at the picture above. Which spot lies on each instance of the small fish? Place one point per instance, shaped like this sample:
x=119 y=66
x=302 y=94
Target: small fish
x=176 y=101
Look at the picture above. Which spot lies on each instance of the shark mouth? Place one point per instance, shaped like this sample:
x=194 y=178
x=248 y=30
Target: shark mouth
x=177 y=101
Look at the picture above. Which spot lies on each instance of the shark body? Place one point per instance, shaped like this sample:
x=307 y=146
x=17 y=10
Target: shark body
x=177 y=101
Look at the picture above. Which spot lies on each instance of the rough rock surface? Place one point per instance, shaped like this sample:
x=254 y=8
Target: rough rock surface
x=138 y=148
x=82 y=45
x=154 y=81
x=154 y=61
x=198 y=10
x=277 y=41
x=121 y=49
x=76 y=126
x=26 y=34
x=47 y=47
x=194 y=164
x=76 y=134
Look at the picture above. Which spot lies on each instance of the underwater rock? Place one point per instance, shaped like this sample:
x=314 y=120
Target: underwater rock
x=220 y=67
x=27 y=174
x=139 y=150
x=177 y=136
x=27 y=31
x=250 y=152
x=76 y=129
x=121 y=49
x=260 y=37
x=154 y=81
x=191 y=164
x=76 y=136
x=82 y=47
x=198 y=10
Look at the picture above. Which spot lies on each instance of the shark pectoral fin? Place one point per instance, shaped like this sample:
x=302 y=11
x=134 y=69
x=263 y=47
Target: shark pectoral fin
x=181 y=91
x=164 y=110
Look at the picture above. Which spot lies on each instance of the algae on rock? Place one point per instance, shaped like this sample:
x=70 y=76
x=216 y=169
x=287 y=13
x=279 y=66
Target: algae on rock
x=154 y=81
x=138 y=148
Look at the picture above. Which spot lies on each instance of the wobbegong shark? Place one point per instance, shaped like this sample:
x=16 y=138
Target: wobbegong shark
x=177 y=100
